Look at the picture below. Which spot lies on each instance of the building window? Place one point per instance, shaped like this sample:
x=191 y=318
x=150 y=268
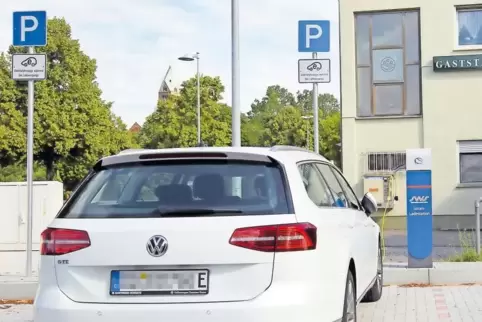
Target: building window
x=388 y=63
x=470 y=161
x=469 y=26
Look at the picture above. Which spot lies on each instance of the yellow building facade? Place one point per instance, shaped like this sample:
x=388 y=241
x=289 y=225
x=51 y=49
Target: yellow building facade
x=411 y=77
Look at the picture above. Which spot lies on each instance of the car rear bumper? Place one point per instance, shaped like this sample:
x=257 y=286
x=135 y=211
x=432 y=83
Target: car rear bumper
x=54 y=306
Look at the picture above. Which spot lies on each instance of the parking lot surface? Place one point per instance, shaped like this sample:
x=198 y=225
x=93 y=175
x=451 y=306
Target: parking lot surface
x=16 y=313
x=427 y=304
x=398 y=304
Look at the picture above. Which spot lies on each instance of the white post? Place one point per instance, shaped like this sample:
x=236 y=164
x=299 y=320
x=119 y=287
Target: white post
x=315 y=113
x=30 y=111
x=236 y=101
x=477 y=226
x=198 y=102
x=236 y=109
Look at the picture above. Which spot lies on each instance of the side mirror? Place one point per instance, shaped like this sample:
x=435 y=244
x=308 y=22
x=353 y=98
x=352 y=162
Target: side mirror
x=369 y=204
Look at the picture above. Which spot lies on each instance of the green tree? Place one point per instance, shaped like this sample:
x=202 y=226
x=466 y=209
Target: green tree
x=18 y=173
x=174 y=122
x=276 y=98
x=330 y=127
x=74 y=126
x=285 y=128
x=252 y=130
x=327 y=103
x=277 y=118
x=12 y=122
x=253 y=124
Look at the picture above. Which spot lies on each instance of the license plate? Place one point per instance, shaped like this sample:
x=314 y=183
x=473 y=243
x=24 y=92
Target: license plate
x=162 y=282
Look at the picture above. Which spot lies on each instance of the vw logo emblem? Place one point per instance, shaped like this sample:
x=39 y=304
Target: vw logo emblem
x=418 y=160
x=157 y=246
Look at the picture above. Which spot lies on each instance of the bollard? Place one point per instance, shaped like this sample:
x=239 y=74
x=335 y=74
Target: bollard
x=477 y=226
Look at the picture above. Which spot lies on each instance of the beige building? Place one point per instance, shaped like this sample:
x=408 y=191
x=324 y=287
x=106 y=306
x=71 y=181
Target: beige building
x=412 y=78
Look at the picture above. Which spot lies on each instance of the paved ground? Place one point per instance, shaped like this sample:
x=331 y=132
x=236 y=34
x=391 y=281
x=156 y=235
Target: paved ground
x=398 y=304
x=425 y=304
x=16 y=313
x=445 y=244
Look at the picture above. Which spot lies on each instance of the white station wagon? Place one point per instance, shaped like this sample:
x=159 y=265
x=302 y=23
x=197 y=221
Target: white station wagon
x=210 y=235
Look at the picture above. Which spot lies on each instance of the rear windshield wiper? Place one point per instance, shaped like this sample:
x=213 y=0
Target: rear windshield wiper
x=194 y=212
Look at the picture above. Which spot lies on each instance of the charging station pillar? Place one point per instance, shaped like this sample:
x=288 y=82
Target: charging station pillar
x=419 y=208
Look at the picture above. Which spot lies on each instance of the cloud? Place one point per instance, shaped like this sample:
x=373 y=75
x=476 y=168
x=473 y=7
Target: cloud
x=135 y=42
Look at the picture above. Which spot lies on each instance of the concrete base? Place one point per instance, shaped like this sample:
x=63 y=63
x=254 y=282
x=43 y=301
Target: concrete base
x=441 y=274
x=420 y=263
x=14 y=262
x=18 y=287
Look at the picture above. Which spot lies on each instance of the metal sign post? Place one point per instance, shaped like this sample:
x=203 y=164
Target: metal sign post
x=235 y=70
x=315 y=114
x=30 y=112
x=29 y=30
x=477 y=225
x=313 y=37
x=419 y=208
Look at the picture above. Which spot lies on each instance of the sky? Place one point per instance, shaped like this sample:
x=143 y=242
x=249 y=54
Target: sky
x=134 y=43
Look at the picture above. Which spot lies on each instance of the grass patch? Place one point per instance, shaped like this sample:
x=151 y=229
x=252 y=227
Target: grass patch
x=469 y=253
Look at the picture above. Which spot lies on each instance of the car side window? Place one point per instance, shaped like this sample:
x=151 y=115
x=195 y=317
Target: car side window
x=315 y=186
x=334 y=185
x=352 y=198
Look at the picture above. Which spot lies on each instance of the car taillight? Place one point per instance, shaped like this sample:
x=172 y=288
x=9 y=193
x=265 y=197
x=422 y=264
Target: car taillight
x=276 y=238
x=57 y=241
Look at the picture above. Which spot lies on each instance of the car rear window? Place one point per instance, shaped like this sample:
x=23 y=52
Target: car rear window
x=151 y=189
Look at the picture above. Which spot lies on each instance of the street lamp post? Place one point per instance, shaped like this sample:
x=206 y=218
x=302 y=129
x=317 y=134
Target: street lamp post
x=191 y=57
x=235 y=71
x=307 y=117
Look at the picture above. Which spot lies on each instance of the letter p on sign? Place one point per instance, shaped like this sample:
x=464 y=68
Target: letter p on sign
x=314 y=36
x=23 y=26
x=30 y=28
x=309 y=35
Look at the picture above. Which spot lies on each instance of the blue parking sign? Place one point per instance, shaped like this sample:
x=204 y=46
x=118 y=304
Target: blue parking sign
x=30 y=28
x=314 y=36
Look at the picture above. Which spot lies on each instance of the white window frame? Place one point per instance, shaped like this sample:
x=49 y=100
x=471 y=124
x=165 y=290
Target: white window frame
x=456 y=28
x=467 y=147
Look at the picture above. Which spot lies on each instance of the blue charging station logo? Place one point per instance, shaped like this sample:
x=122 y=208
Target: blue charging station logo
x=419 y=205
x=419 y=201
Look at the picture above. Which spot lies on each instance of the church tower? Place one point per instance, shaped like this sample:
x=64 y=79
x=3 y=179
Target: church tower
x=165 y=89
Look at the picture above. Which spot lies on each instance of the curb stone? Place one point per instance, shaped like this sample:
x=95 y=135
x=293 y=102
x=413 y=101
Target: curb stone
x=442 y=273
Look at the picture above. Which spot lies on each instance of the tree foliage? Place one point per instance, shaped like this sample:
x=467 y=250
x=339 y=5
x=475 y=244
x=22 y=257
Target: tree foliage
x=174 y=122
x=280 y=117
x=12 y=122
x=73 y=125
